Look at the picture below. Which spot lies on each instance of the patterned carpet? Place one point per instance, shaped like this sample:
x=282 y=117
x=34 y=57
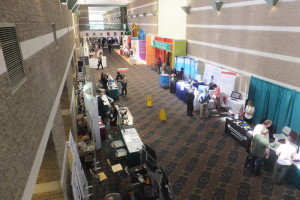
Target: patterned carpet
x=200 y=160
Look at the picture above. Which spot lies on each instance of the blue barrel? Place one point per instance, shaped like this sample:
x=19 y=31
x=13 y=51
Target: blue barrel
x=164 y=80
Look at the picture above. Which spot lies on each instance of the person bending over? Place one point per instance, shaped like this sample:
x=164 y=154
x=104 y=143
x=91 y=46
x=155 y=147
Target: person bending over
x=259 y=151
x=258 y=129
x=285 y=153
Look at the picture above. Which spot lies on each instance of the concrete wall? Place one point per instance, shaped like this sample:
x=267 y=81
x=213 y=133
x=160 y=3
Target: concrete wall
x=172 y=19
x=26 y=116
x=248 y=37
x=148 y=23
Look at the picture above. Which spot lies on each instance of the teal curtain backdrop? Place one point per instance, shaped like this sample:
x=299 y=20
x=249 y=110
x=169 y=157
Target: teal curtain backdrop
x=275 y=102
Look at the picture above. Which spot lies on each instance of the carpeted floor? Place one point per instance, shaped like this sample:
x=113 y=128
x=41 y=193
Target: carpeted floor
x=200 y=160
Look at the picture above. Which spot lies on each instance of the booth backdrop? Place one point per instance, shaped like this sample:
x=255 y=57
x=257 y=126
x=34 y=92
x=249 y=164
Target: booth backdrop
x=275 y=102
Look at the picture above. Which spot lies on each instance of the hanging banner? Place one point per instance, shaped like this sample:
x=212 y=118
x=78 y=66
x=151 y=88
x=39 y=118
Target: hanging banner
x=161 y=45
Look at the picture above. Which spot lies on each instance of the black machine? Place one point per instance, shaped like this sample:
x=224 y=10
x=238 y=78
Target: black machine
x=151 y=160
x=165 y=186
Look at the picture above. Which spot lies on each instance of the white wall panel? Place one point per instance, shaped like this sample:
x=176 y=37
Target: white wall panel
x=172 y=19
x=2 y=63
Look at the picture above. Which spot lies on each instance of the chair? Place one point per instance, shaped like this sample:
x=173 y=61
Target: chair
x=285 y=132
x=115 y=168
x=100 y=177
x=116 y=196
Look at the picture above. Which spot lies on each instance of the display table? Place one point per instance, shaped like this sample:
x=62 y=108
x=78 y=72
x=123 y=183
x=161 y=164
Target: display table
x=238 y=130
x=113 y=91
x=173 y=82
x=106 y=103
x=164 y=80
x=293 y=175
x=124 y=117
x=236 y=106
x=180 y=90
x=93 y=62
x=134 y=145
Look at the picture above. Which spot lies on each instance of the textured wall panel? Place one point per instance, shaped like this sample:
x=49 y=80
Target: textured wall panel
x=2 y=63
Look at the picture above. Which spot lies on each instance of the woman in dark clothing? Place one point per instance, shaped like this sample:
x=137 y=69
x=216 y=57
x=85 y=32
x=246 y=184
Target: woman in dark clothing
x=101 y=78
x=158 y=64
x=104 y=82
x=119 y=77
x=113 y=116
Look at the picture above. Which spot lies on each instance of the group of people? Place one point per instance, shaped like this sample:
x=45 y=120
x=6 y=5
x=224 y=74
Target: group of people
x=121 y=81
x=203 y=100
x=260 y=150
x=113 y=113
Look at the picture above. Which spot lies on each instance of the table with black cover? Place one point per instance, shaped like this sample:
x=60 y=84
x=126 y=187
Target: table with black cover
x=173 y=82
x=238 y=132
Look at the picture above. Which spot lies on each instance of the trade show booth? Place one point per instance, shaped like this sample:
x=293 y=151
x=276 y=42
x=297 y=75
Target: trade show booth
x=164 y=48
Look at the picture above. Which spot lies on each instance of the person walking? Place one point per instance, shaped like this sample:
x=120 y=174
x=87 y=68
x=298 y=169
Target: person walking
x=204 y=100
x=100 y=62
x=285 y=152
x=109 y=48
x=124 y=85
x=190 y=96
x=260 y=150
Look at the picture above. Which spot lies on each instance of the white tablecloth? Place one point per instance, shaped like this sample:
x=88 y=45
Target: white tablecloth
x=132 y=140
x=235 y=106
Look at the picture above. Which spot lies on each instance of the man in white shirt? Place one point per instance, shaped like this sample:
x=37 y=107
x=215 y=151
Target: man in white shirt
x=260 y=127
x=285 y=152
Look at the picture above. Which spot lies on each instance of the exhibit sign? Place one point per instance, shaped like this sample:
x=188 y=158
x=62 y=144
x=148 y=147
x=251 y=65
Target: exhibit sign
x=78 y=179
x=227 y=82
x=161 y=45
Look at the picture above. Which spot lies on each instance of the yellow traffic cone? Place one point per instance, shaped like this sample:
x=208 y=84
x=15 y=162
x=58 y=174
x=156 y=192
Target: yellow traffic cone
x=162 y=115
x=149 y=101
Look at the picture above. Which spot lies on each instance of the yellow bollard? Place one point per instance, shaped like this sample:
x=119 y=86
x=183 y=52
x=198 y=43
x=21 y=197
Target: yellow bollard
x=162 y=115
x=149 y=101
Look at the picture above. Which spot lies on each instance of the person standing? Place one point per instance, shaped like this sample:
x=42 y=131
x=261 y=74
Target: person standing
x=258 y=129
x=119 y=77
x=204 y=100
x=100 y=62
x=124 y=85
x=260 y=150
x=109 y=48
x=285 y=152
x=249 y=112
x=158 y=64
x=190 y=96
x=217 y=94
x=105 y=82
x=113 y=116
x=101 y=106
